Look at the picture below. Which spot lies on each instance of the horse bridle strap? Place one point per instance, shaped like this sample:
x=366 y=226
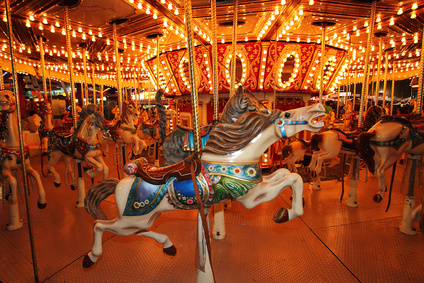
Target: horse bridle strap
x=280 y=123
x=202 y=215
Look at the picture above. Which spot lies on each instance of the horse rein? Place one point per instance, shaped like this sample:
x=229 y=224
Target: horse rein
x=280 y=123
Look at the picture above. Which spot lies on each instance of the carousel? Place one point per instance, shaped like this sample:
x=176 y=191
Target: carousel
x=221 y=141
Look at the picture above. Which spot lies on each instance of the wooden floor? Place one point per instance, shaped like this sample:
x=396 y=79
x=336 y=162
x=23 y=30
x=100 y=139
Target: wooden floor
x=329 y=243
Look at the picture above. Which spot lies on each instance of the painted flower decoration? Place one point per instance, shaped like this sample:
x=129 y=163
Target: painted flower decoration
x=189 y=201
x=136 y=204
x=251 y=172
x=210 y=168
x=224 y=169
x=237 y=170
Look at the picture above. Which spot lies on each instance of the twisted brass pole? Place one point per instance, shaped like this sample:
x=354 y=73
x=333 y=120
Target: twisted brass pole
x=321 y=87
x=377 y=84
x=118 y=68
x=21 y=143
x=214 y=62
x=364 y=94
x=69 y=50
x=233 y=50
x=84 y=61
x=420 y=81
x=43 y=67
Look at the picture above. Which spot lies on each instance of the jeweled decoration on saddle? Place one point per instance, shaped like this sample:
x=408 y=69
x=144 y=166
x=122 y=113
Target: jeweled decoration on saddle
x=83 y=147
x=396 y=142
x=144 y=197
x=181 y=193
x=9 y=152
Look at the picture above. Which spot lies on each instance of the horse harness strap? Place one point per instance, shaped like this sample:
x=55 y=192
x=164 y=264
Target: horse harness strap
x=280 y=122
x=396 y=142
x=132 y=130
x=159 y=175
x=83 y=147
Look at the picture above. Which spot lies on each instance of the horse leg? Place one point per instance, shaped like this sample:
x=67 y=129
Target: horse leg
x=98 y=166
x=105 y=167
x=122 y=227
x=42 y=201
x=291 y=164
x=54 y=158
x=268 y=190
x=313 y=162
x=15 y=221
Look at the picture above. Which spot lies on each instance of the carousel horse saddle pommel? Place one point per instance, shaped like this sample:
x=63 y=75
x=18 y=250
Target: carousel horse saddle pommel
x=159 y=175
x=62 y=132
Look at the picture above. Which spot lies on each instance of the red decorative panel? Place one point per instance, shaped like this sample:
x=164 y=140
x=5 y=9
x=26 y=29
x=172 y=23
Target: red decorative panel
x=287 y=103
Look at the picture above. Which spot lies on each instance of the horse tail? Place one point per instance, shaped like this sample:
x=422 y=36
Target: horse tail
x=365 y=150
x=315 y=141
x=305 y=144
x=96 y=194
x=161 y=113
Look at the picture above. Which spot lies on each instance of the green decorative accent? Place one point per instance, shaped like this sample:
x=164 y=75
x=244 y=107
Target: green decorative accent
x=133 y=131
x=396 y=142
x=230 y=188
x=245 y=172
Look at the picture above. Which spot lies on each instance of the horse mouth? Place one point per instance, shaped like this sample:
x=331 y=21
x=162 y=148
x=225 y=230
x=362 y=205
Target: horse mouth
x=316 y=120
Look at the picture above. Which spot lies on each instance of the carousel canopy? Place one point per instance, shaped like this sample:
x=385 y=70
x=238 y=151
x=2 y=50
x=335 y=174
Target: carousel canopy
x=278 y=42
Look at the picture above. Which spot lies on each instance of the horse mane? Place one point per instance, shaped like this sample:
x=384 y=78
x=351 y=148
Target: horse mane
x=124 y=114
x=228 y=138
x=236 y=106
x=373 y=115
x=85 y=113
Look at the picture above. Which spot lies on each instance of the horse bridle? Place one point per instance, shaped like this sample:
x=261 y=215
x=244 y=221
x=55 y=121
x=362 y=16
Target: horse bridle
x=280 y=123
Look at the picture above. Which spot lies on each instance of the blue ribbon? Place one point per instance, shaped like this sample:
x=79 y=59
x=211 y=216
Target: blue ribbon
x=280 y=123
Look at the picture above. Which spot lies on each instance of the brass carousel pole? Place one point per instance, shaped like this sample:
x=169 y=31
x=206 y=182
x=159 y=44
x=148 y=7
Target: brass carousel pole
x=218 y=230
x=323 y=24
x=421 y=77
x=321 y=85
x=393 y=88
x=233 y=50
x=21 y=143
x=83 y=45
x=386 y=66
x=158 y=61
x=41 y=41
x=354 y=91
x=71 y=82
x=118 y=68
x=50 y=86
x=214 y=62
x=1 y=76
x=338 y=103
x=377 y=84
x=204 y=269
x=367 y=60
x=94 y=85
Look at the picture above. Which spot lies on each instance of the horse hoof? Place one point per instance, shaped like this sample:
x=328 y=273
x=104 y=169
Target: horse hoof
x=313 y=174
x=73 y=187
x=171 y=251
x=57 y=185
x=87 y=262
x=7 y=197
x=281 y=216
x=41 y=205
x=377 y=198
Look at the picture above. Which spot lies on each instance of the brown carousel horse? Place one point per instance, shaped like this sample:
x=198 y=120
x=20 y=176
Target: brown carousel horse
x=124 y=131
x=81 y=144
x=382 y=146
x=10 y=158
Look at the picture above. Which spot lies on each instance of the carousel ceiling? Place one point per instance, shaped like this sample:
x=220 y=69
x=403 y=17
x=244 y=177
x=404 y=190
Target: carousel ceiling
x=288 y=25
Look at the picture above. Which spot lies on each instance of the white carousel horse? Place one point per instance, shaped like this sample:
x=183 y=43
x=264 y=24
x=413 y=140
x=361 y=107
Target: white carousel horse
x=229 y=169
x=124 y=131
x=179 y=144
x=334 y=141
x=10 y=158
x=81 y=144
x=381 y=147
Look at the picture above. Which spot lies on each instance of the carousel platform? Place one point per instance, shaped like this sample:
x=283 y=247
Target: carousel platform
x=329 y=243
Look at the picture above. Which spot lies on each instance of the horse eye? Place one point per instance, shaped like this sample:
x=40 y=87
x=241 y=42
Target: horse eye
x=287 y=115
x=6 y=96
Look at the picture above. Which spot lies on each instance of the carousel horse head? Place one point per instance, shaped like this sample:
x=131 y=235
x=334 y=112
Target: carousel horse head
x=129 y=110
x=236 y=106
x=7 y=101
x=31 y=123
x=229 y=138
x=90 y=120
